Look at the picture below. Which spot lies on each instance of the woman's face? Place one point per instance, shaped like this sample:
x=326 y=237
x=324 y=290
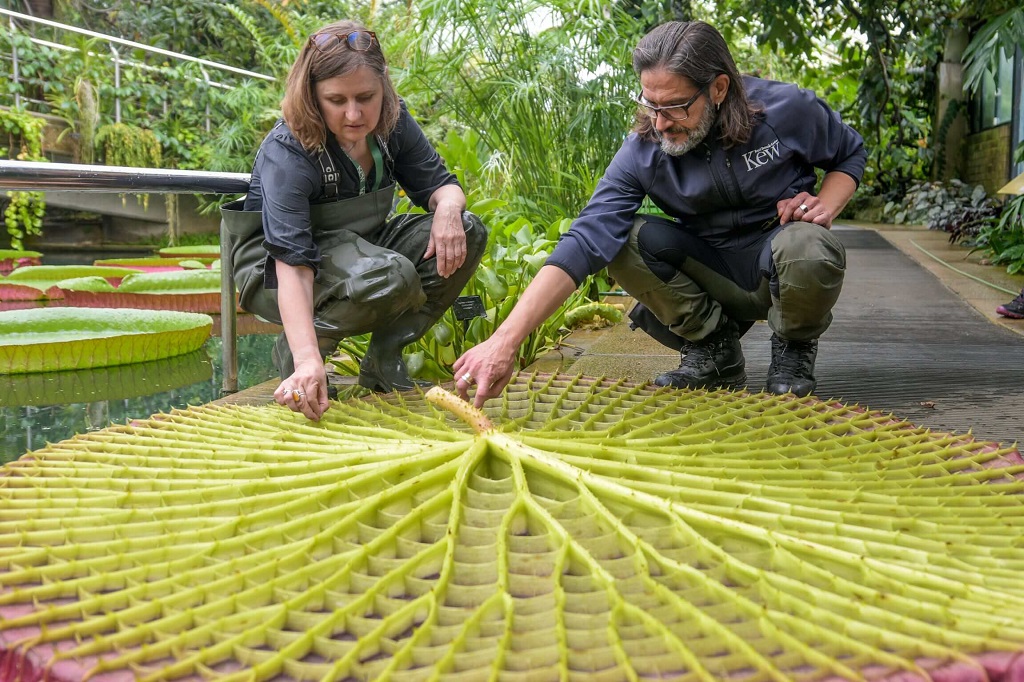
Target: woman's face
x=350 y=104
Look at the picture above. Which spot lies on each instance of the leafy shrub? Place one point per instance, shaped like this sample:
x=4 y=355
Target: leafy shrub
x=954 y=207
x=1003 y=239
x=24 y=140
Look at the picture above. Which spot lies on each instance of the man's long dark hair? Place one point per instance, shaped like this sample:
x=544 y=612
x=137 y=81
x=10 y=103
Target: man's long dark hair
x=696 y=51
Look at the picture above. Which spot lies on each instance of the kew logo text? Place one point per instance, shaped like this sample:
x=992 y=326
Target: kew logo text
x=760 y=157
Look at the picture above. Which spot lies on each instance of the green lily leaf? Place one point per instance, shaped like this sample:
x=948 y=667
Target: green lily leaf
x=54 y=339
x=155 y=264
x=197 y=251
x=579 y=529
x=55 y=273
x=196 y=291
x=44 y=280
x=11 y=259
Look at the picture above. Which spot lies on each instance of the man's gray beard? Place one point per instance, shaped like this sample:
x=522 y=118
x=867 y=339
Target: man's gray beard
x=694 y=138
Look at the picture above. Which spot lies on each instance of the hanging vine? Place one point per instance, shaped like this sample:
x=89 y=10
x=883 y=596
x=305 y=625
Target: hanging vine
x=127 y=145
x=122 y=144
x=24 y=142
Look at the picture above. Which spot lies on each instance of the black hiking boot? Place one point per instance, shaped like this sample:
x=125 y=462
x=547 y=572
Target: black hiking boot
x=792 y=368
x=1014 y=308
x=382 y=368
x=715 y=361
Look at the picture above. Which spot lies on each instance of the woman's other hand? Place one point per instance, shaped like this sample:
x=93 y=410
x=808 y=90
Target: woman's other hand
x=447 y=235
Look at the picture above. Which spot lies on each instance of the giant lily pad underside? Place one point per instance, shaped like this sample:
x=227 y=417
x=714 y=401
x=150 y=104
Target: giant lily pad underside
x=598 y=530
x=54 y=339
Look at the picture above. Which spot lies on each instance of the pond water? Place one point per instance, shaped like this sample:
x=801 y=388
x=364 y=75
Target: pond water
x=48 y=407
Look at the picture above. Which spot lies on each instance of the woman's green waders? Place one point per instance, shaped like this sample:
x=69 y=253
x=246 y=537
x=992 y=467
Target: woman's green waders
x=372 y=279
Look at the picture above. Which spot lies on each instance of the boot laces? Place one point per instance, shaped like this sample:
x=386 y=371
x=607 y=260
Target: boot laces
x=797 y=357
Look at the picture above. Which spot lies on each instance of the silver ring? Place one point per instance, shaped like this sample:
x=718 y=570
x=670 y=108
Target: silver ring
x=803 y=207
x=467 y=377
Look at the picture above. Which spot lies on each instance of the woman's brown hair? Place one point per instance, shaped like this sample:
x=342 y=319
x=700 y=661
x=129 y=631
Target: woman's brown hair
x=299 y=106
x=696 y=51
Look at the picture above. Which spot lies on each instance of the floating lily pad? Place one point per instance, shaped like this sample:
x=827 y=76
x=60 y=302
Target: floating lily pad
x=196 y=291
x=38 y=282
x=54 y=339
x=197 y=251
x=11 y=259
x=156 y=264
x=599 y=530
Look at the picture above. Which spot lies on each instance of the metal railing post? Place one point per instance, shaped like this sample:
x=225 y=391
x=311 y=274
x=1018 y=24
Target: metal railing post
x=206 y=78
x=228 y=321
x=117 y=84
x=16 y=75
x=33 y=176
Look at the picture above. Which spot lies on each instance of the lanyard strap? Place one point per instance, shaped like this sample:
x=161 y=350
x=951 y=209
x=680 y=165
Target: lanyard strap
x=378 y=164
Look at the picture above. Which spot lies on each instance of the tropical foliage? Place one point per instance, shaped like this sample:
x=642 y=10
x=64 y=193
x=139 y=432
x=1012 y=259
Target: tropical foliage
x=22 y=139
x=579 y=529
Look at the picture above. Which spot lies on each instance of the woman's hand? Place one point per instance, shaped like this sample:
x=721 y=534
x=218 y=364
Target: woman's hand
x=305 y=391
x=488 y=366
x=447 y=238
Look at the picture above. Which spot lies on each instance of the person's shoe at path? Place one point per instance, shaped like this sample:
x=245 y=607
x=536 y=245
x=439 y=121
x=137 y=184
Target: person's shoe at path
x=792 y=366
x=713 y=362
x=1014 y=309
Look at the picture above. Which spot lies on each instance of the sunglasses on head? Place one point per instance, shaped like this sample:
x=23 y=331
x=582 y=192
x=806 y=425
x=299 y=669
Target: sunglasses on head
x=360 y=41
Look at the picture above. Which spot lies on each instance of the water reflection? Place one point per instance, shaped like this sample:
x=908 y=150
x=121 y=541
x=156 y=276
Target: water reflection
x=48 y=407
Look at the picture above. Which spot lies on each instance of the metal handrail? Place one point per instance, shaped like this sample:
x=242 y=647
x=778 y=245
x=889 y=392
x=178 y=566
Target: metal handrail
x=133 y=44
x=31 y=176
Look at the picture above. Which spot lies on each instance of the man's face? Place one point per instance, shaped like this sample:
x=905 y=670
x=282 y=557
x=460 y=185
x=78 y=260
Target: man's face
x=664 y=89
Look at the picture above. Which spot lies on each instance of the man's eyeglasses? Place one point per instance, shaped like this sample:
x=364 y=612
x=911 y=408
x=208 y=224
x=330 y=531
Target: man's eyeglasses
x=360 y=41
x=673 y=112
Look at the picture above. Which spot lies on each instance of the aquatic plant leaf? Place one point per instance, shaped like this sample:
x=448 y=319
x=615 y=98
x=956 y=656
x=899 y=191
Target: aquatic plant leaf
x=155 y=263
x=56 y=273
x=39 y=282
x=11 y=259
x=599 y=530
x=195 y=251
x=196 y=291
x=54 y=339
x=29 y=291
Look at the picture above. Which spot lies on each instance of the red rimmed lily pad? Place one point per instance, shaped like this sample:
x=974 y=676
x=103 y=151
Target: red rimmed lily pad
x=55 y=339
x=197 y=251
x=11 y=259
x=155 y=264
x=196 y=291
x=39 y=282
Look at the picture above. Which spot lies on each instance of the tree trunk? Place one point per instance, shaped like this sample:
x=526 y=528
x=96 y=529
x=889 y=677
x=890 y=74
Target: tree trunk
x=950 y=123
x=39 y=8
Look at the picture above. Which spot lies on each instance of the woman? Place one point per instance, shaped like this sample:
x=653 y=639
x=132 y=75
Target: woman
x=328 y=262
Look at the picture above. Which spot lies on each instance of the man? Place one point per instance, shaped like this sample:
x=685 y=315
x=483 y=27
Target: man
x=731 y=161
